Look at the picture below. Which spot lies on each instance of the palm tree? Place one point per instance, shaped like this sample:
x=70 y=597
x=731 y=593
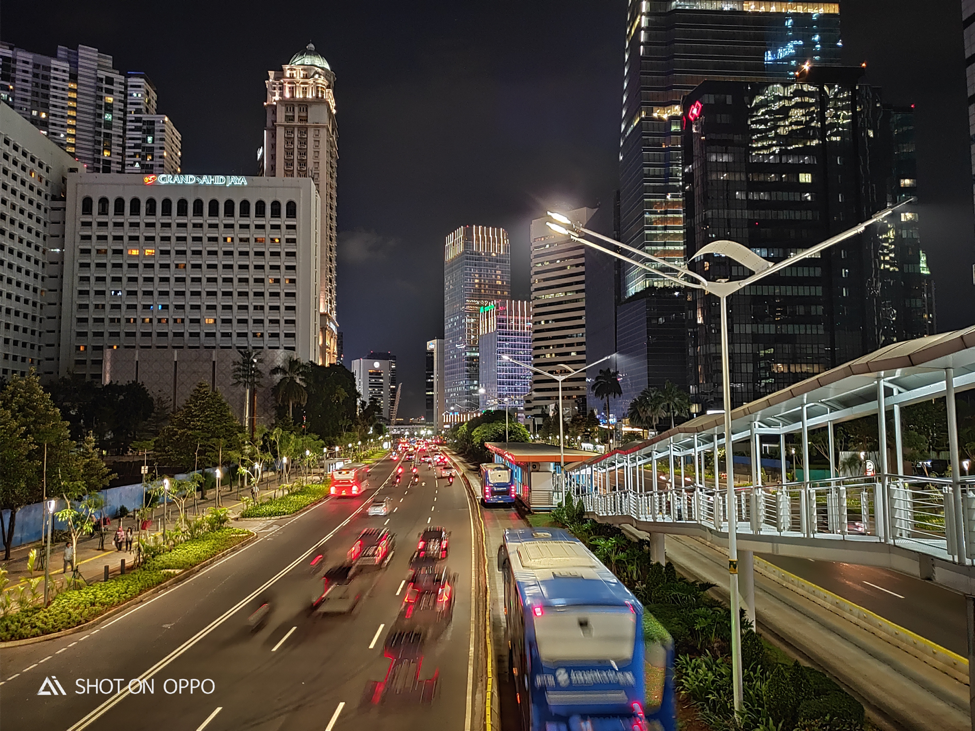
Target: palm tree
x=675 y=401
x=290 y=388
x=647 y=409
x=607 y=384
x=247 y=373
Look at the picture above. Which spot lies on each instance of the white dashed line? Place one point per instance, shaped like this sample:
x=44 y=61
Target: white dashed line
x=30 y=668
x=395 y=509
x=387 y=522
x=15 y=675
x=431 y=508
x=73 y=643
x=335 y=716
x=61 y=650
x=281 y=641
x=401 y=585
x=428 y=520
x=209 y=718
x=45 y=659
x=868 y=584
x=375 y=637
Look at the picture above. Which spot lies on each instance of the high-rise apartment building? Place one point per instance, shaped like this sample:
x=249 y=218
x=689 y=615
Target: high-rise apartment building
x=32 y=200
x=301 y=141
x=779 y=168
x=153 y=146
x=558 y=291
x=80 y=101
x=434 y=384
x=968 y=24
x=477 y=271
x=505 y=341
x=161 y=274
x=375 y=379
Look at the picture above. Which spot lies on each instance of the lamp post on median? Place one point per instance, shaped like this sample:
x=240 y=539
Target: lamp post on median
x=560 y=379
x=165 y=505
x=722 y=289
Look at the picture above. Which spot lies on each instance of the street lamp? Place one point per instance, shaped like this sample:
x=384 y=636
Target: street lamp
x=165 y=505
x=965 y=463
x=219 y=474
x=47 y=560
x=560 y=379
x=722 y=289
x=504 y=400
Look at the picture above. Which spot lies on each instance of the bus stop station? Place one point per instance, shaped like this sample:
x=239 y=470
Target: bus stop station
x=533 y=467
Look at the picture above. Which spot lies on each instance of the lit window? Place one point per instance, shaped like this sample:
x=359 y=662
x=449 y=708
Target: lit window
x=805 y=177
x=133 y=252
x=81 y=348
x=147 y=320
x=275 y=240
x=109 y=100
x=908 y=216
x=209 y=321
x=149 y=252
x=228 y=239
x=908 y=183
x=108 y=153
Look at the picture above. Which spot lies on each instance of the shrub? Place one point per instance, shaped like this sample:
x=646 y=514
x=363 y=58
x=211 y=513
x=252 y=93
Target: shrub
x=820 y=683
x=192 y=552
x=753 y=653
x=799 y=682
x=780 y=698
x=836 y=711
x=287 y=504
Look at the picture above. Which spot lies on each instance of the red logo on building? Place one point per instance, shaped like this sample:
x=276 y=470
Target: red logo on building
x=695 y=111
x=149 y=179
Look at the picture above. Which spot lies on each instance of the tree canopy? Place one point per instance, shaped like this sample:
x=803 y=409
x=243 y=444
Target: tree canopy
x=198 y=430
x=330 y=408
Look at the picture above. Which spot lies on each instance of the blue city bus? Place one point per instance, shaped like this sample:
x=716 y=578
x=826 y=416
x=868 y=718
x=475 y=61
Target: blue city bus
x=577 y=650
x=497 y=484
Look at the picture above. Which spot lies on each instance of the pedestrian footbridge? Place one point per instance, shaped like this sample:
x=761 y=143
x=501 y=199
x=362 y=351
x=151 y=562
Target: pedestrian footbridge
x=918 y=525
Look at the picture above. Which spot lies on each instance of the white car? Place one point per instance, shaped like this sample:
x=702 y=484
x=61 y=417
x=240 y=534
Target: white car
x=379 y=507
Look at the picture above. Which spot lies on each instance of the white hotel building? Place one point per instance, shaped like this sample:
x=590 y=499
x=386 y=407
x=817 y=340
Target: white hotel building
x=166 y=277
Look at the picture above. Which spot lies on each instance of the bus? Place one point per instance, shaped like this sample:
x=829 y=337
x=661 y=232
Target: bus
x=497 y=484
x=577 y=650
x=349 y=480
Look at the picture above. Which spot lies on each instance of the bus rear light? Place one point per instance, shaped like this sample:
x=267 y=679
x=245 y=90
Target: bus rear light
x=332 y=491
x=538 y=611
x=637 y=709
x=355 y=489
x=512 y=491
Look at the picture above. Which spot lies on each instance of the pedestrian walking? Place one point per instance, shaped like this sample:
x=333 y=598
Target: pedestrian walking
x=101 y=534
x=119 y=538
x=68 y=557
x=128 y=539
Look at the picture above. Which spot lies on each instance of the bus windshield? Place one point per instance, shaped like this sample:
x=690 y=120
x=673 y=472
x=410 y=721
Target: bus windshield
x=585 y=635
x=498 y=476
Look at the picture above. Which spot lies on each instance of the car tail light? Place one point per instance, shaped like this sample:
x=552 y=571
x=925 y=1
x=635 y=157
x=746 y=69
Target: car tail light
x=420 y=545
x=315 y=560
x=444 y=594
x=356 y=550
x=443 y=553
x=409 y=611
x=538 y=611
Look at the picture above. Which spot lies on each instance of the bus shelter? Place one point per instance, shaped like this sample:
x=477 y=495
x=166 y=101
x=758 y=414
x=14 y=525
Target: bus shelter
x=533 y=469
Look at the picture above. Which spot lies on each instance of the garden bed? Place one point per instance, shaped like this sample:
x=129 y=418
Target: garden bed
x=294 y=501
x=74 y=607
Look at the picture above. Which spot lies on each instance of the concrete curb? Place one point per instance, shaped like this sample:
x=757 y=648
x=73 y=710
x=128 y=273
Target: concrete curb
x=934 y=655
x=158 y=589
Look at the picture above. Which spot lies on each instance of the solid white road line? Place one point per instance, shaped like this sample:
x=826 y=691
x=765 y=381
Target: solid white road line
x=375 y=637
x=281 y=641
x=865 y=582
x=209 y=718
x=401 y=585
x=335 y=716
x=102 y=709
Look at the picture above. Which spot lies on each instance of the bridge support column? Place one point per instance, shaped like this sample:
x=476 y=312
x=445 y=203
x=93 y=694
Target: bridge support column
x=782 y=472
x=697 y=477
x=970 y=612
x=832 y=450
x=717 y=467
x=956 y=492
x=658 y=548
x=746 y=583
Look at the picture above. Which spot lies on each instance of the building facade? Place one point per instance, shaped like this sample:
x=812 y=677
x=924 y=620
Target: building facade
x=33 y=171
x=505 y=341
x=558 y=291
x=153 y=145
x=968 y=25
x=780 y=168
x=80 y=101
x=156 y=268
x=301 y=141
x=477 y=271
x=434 y=384
x=375 y=378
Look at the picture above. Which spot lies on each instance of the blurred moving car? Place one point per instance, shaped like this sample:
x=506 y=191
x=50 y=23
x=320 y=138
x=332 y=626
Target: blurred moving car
x=339 y=591
x=379 y=506
x=374 y=547
x=433 y=543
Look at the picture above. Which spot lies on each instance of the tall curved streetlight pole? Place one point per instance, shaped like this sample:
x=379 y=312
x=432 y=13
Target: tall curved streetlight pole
x=722 y=289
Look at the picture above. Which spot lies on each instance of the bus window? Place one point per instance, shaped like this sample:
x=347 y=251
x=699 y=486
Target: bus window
x=585 y=634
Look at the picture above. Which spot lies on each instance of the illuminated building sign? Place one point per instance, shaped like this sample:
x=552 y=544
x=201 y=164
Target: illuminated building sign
x=695 y=111
x=221 y=180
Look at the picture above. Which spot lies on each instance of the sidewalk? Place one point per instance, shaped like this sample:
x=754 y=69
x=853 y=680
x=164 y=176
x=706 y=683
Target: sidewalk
x=91 y=560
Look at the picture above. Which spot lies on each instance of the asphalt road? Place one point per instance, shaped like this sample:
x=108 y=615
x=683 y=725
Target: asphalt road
x=931 y=611
x=299 y=671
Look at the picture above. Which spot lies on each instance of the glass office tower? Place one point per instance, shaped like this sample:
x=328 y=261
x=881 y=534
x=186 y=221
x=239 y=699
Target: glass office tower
x=506 y=336
x=477 y=271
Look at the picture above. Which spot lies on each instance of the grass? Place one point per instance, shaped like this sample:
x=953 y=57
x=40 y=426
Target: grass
x=540 y=520
x=288 y=504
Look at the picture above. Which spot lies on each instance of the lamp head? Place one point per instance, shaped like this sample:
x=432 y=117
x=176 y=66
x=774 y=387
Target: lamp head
x=561 y=218
x=558 y=229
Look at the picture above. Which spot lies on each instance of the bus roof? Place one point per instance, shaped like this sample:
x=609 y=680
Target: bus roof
x=554 y=568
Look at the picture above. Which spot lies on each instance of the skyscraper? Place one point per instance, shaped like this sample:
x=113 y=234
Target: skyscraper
x=375 y=379
x=301 y=141
x=80 y=101
x=153 y=146
x=435 y=395
x=505 y=336
x=477 y=271
x=558 y=289
x=779 y=168
x=968 y=24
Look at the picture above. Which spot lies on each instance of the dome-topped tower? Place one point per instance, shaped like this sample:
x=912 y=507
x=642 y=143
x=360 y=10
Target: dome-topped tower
x=309 y=57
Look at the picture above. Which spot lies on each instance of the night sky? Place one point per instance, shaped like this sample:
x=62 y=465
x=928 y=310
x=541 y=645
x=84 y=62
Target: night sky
x=478 y=113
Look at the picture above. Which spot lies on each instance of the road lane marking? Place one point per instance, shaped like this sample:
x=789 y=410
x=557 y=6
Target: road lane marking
x=375 y=637
x=15 y=675
x=883 y=589
x=395 y=509
x=431 y=508
x=428 y=520
x=61 y=650
x=209 y=718
x=401 y=585
x=30 y=668
x=401 y=499
x=387 y=522
x=45 y=659
x=281 y=642
x=102 y=709
x=335 y=716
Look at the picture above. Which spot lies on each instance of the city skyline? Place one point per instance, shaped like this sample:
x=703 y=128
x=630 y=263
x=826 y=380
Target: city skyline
x=388 y=230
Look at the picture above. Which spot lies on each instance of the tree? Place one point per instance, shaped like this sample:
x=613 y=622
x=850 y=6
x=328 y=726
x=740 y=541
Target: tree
x=92 y=471
x=606 y=385
x=15 y=469
x=79 y=517
x=675 y=401
x=247 y=374
x=197 y=430
x=32 y=411
x=113 y=413
x=290 y=388
x=331 y=406
x=494 y=432
x=647 y=409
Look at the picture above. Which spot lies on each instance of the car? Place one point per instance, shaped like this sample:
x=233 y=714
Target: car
x=427 y=575
x=425 y=458
x=379 y=506
x=339 y=589
x=374 y=547
x=433 y=543
x=429 y=605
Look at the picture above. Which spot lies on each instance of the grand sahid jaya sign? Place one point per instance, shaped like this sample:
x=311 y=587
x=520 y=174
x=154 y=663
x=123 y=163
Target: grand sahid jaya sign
x=219 y=180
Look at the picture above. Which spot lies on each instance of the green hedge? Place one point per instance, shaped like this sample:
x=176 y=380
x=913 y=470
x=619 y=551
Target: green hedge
x=77 y=606
x=287 y=504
